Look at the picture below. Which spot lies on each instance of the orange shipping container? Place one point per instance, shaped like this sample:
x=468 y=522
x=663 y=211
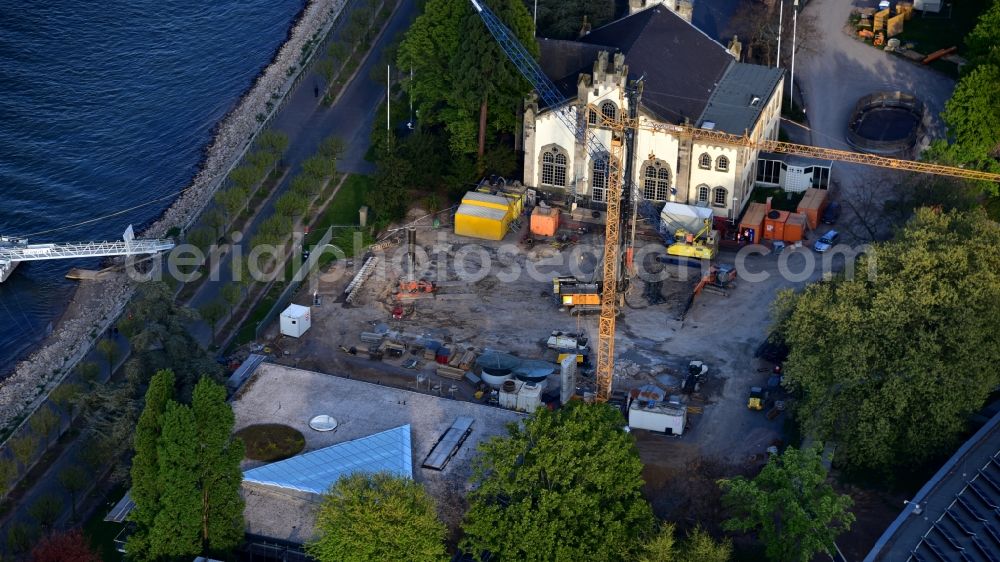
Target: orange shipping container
x=544 y=221
x=795 y=228
x=752 y=225
x=774 y=225
x=812 y=205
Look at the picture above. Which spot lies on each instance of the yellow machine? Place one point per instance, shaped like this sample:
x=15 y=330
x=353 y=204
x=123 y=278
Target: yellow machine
x=579 y=357
x=756 y=401
x=691 y=245
x=576 y=296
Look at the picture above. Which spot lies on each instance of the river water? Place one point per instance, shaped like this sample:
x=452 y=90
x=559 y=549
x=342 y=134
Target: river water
x=105 y=106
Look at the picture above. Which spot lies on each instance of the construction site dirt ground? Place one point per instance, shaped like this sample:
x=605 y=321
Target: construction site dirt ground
x=504 y=301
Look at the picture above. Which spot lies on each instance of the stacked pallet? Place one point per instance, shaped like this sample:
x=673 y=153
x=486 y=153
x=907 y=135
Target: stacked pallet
x=450 y=372
x=462 y=361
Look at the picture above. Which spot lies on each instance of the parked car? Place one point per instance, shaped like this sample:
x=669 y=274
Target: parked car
x=831 y=213
x=826 y=241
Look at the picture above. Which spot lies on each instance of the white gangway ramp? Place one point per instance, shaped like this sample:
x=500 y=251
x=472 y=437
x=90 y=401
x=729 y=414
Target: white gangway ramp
x=16 y=250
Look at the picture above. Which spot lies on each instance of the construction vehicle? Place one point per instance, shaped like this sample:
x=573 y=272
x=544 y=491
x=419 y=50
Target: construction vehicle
x=757 y=398
x=702 y=245
x=576 y=296
x=622 y=128
x=719 y=279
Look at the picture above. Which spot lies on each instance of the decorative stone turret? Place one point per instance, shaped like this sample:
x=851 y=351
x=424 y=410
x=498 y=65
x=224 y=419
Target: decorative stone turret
x=735 y=47
x=528 y=135
x=683 y=8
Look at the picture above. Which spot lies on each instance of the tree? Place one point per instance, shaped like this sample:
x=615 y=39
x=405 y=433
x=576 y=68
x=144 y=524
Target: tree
x=233 y=200
x=319 y=167
x=157 y=328
x=74 y=479
x=984 y=39
x=88 y=371
x=291 y=204
x=377 y=517
x=60 y=547
x=44 y=422
x=65 y=396
x=274 y=142
x=46 y=509
x=202 y=237
x=24 y=448
x=332 y=148
x=697 y=547
x=327 y=68
x=175 y=529
x=21 y=536
x=214 y=311
x=388 y=200
x=146 y=485
x=794 y=510
x=232 y=293
x=973 y=119
x=218 y=475
x=868 y=354
x=558 y=19
x=460 y=71
x=8 y=470
x=186 y=474
x=109 y=349
x=565 y=486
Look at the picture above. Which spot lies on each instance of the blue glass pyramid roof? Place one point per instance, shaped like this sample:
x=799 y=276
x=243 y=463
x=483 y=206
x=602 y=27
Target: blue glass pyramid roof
x=315 y=471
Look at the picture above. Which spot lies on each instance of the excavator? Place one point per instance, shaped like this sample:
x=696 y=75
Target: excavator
x=690 y=245
x=620 y=190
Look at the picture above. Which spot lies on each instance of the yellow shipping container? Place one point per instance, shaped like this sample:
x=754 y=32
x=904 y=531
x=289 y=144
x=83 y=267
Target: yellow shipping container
x=488 y=201
x=481 y=222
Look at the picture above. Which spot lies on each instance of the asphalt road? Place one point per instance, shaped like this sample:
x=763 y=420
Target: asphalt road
x=307 y=122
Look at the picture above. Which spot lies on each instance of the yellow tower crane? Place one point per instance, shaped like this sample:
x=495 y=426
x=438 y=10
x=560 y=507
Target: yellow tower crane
x=619 y=125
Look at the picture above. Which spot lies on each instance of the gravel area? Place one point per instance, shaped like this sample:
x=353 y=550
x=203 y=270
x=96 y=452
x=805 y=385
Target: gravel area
x=290 y=396
x=96 y=304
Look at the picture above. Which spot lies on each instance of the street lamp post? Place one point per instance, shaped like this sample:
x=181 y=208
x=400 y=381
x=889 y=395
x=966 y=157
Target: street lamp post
x=781 y=14
x=536 y=19
x=795 y=21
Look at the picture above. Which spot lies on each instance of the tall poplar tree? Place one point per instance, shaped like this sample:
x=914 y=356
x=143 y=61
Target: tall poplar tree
x=145 y=474
x=176 y=526
x=219 y=475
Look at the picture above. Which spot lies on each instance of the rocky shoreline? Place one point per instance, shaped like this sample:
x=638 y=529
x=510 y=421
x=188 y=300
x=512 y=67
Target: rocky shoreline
x=97 y=304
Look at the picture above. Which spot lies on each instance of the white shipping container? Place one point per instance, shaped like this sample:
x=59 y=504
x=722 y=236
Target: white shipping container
x=295 y=320
x=663 y=418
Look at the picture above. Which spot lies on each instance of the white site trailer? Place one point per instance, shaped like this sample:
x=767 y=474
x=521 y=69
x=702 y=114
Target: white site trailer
x=668 y=417
x=295 y=320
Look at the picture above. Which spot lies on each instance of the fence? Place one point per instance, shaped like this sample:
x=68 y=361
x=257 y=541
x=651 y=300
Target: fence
x=285 y=297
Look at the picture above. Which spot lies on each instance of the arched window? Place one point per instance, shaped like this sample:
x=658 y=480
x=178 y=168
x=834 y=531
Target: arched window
x=554 y=167
x=703 y=194
x=719 y=197
x=656 y=181
x=599 y=180
x=592 y=116
x=609 y=110
x=705 y=161
x=722 y=164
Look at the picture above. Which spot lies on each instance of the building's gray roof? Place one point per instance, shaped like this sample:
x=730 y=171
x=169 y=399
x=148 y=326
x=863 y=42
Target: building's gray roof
x=957 y=510
x=316 y=471
x=680 y=63
x=563 y=61
x=731 y=107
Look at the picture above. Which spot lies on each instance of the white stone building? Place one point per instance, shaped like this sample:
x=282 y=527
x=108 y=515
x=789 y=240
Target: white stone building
x=689 y=78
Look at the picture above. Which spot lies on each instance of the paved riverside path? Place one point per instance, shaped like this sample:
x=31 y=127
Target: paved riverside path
x=307 y=122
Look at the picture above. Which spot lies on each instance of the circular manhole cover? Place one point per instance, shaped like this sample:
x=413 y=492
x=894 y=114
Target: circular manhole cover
x=323 y=423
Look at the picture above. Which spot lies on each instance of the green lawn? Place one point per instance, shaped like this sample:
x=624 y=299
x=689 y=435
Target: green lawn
x=781 y=199
x=937 y=31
